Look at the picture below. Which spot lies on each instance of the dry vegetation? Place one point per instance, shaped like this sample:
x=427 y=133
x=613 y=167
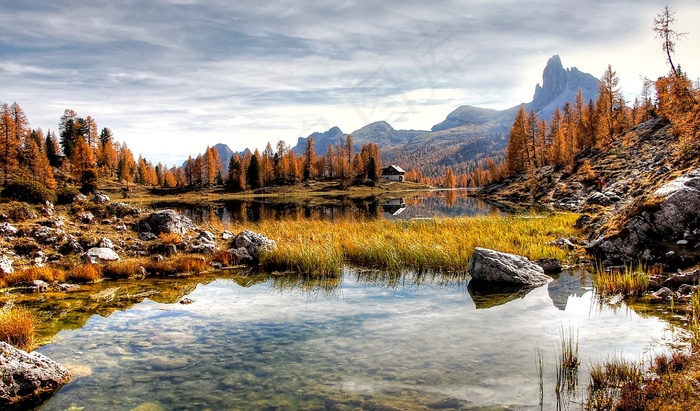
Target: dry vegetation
x=322 y=247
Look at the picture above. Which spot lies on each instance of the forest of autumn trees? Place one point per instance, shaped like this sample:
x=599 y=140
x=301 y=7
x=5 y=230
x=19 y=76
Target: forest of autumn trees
x=283 y=166
x=80 y=152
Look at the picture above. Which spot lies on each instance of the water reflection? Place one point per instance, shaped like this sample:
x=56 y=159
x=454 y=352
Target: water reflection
x=366 y=340
x=446 y=203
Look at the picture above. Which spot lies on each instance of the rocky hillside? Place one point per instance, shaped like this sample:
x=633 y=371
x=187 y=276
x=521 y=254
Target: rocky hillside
x=639 y=202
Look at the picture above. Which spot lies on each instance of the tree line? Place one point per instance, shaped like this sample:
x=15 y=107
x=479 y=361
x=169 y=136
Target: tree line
x=80 y=152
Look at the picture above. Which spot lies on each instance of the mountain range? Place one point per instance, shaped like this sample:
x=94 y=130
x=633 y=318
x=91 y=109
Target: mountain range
x=467 y=135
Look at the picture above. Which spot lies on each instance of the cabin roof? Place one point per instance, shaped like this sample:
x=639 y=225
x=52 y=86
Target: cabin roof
x=395 y=168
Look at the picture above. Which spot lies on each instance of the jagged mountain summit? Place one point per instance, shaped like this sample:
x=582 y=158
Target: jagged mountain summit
x=468 y=134
x=559 y=86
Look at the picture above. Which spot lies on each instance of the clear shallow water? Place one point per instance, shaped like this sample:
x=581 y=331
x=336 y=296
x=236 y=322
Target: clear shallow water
x=385 y=344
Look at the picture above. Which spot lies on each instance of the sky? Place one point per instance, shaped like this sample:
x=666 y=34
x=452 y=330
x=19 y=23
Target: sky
x=171 y=77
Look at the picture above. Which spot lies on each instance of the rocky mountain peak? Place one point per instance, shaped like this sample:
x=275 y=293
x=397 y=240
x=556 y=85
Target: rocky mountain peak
x=560 y=85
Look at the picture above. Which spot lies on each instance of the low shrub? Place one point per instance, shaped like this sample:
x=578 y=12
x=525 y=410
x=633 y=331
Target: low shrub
x=20 y=211
x=66 y=195
x=46 y=273
x=31 y=192
x=170 y=238
x=86 y=273
x=123 y=268
x=18 y=327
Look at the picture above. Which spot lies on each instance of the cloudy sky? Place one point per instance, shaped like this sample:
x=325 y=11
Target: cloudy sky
x=170 y=77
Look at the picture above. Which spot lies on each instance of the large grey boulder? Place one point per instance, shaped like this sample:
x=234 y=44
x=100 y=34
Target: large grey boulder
x=671 y=222
x=167 y=221
x=98 y=254
x=28 y=379
x=496 y=267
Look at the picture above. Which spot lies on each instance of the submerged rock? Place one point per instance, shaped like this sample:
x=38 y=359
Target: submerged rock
x=493 y=266
x=549 y=265
x=28 y=379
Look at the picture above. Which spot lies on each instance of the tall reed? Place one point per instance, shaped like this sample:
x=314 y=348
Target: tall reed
x=18 y=327
x=322 y=247
x=628 y=281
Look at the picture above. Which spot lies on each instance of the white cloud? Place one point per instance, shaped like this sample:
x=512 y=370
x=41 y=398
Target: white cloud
x=170 y=77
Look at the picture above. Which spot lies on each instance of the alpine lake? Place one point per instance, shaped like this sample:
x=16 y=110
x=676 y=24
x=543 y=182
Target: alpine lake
x=366 y=340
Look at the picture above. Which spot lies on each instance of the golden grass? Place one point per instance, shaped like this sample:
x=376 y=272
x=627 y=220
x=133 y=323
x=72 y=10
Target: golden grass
x=17 y=327
x=48 y=274
x=185 y=264
x=124 y=268
x=170 y=238
x=86 y=273
x=630 y=281
x=322 y=247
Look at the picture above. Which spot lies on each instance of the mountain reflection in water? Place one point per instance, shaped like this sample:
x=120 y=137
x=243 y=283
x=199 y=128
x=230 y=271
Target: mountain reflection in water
x=439 y=203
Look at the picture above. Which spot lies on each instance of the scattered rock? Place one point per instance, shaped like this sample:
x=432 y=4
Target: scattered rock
x=98 y=254
x=603 y=198
x=72 y=246
x=253 y=243
x=549 y=265
x=690 y=278
x=204 y=244
x=123 y=210
x=167 y=221
x=86 y=217
x=157 y=258
x=66 y=288
x=563 y=243
x=39 y=286
x=186 y=301
x=7 y=229
x=149 y=406
x=662 y=294
x=101 y=199
x=227 y=235
x=146 y=236
x=493 y=266
x=106 y=243
x=217 y=265
x=240 y=256
x=28 y=378
x=45 y=235
x=6 y=265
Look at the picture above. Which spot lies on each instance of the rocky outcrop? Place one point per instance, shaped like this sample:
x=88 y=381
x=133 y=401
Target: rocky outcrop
x=667 y=225
x=28 y=378
x=167 y=221
x=496 y=267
